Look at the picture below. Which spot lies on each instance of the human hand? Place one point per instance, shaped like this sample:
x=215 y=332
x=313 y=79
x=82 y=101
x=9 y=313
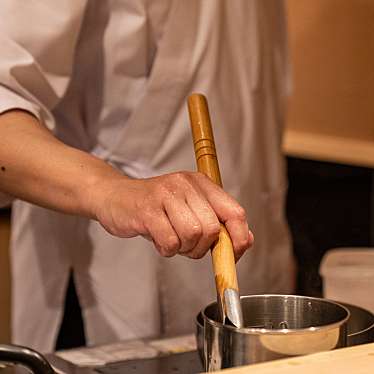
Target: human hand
x=179 y=212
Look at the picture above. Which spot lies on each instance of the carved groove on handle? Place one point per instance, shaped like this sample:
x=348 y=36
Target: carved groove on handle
x=207 y=163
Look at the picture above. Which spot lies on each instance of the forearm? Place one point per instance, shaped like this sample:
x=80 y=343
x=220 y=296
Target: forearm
x=179 y=212
x=37 y=167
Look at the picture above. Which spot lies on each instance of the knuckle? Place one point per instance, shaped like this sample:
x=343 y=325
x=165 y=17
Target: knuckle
x=200 y=175
x=165 y=253
x=172 y=245
x=240 y=213
x=212 y=230
x=195 y=255
x=193 y=232
x=180 y=177
x=251 y=239
x=204 y=180
x=184 y=180
x=243 y=244
x=168 y=247
x=174 y=184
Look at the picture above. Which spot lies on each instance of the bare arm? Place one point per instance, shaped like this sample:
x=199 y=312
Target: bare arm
x=180 y=212
x=36 y=167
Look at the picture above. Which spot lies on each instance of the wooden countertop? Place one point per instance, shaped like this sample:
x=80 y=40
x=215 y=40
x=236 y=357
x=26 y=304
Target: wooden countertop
x=333 y=148
x=357 y=360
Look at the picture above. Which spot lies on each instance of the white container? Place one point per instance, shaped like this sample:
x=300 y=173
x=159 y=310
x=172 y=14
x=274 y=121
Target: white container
x=348 y=276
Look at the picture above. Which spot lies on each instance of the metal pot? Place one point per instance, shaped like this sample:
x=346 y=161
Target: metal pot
x=278 y=326
x=360 y=327
x=200 y=336
x=27 y=357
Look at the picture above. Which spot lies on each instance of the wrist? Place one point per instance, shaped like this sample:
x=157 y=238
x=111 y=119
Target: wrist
x=100 y=186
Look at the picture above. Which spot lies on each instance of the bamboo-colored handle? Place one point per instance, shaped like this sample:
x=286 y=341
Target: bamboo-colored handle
x=207 y=163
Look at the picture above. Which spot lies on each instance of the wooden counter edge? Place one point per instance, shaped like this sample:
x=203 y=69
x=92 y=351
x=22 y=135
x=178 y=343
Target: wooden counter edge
x=323 y=147
x=357 y=360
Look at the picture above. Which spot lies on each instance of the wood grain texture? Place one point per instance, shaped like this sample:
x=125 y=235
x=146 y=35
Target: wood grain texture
x=207 y=163
x=203 y=138
x=357 y=360
x=224 y=263
x=332 y=81
x=321 y=147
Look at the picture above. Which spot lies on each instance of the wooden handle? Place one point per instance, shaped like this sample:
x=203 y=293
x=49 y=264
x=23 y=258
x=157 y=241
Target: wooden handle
x=203 y=139
x=207 y=163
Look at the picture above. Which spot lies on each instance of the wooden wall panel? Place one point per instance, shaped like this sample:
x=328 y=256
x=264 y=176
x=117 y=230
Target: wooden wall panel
x=332 y=56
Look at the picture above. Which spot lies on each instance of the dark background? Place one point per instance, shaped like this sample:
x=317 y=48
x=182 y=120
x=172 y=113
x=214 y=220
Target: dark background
x=328 y=206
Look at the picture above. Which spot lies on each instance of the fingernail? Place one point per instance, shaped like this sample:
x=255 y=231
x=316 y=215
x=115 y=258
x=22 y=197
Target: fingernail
x=251 y=237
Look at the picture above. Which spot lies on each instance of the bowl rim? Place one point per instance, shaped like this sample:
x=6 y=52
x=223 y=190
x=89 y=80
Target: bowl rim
x=263 y=331
x=353 y=306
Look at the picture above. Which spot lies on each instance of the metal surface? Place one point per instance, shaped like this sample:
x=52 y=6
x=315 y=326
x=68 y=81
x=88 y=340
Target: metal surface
x=26 y=357
x=360 y=327
x=199 y=322
x=233 y=312
x=313 y=325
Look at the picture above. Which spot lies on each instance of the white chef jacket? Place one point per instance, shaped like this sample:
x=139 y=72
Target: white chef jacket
x=111 y=77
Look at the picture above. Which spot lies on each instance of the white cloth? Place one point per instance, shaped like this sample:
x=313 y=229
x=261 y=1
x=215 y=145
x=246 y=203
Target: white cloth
x=111 y=78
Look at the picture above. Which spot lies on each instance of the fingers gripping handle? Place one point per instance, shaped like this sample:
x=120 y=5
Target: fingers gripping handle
x=222 y=252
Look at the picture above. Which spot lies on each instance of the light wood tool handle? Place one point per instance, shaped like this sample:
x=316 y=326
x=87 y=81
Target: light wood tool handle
x=207 y=163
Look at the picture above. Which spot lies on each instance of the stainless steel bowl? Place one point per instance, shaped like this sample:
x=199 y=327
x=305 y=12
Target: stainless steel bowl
x=276 y=326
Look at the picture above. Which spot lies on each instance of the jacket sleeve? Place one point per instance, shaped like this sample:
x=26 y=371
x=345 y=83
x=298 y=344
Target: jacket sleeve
x=38 y=40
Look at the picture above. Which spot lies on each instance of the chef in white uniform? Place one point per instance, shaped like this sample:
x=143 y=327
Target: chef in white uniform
x=110 y=78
